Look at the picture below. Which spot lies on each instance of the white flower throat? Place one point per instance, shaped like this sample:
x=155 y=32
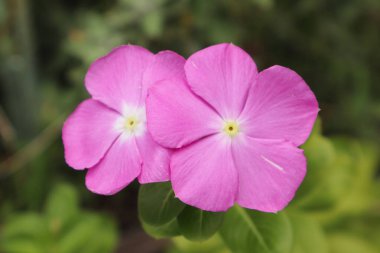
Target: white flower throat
x=132 y=122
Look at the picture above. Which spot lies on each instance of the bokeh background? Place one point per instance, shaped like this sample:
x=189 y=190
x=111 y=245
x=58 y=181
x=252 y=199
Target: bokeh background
x=46 y=47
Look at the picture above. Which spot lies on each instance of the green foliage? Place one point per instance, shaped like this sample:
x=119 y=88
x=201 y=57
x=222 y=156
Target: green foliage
x=317 y=190
x=199 y=225
x=62 y=228
x=308 y=235
x=339 y=194
x=246 y=231
x=213 y=245
x=169 y=229
x=62 y=204
x=345 y=243
x=162 y=215
x=157 y=204
x=348 y=188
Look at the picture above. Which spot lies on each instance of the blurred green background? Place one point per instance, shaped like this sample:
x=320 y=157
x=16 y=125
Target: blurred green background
x=46 y=47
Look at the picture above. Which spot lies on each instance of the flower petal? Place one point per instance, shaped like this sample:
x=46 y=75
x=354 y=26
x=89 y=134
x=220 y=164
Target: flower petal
x=88 y=133
x=270 y=172
x=280 y=106
x=203 y=174
x=222 y=75
x=176 y=117
x=155 y=158
x=116 y=78
x=166 y=65
x=119 y=167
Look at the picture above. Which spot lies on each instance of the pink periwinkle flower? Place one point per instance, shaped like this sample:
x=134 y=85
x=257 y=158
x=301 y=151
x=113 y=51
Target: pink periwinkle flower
x=107 y=133
x=235 y=131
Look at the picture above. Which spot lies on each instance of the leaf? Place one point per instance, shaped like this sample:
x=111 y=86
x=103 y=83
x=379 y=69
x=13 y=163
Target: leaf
x=247 y=231
x=213 y=245
x=168 y=230
x=157 y=204
x=24 y=233
x=43 y=233
x=152 y=23
x=105 y=238
x=348 y=189
x=21 y=245
x=28 y=225
x=346 y=243
x=308 y=235
x=321 y=157
x=199 y=225
x=62 y=202
x=90 y=227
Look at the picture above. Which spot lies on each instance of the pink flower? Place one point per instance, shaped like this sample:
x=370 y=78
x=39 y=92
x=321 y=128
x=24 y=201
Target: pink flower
x=235 y=131
x=107 y=133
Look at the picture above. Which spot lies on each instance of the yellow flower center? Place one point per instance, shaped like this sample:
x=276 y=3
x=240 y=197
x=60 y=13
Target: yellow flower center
x=231 y=128
x=130 y=123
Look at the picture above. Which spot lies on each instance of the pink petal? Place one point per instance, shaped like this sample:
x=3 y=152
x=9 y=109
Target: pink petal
x=88 y=133
x=280 y=106
x=222 y=75
x=176 y=117
x=155 y=160
x=119 y=167
x=116 y=78
x=166 y=65
x=270 y=172
x=203 y=174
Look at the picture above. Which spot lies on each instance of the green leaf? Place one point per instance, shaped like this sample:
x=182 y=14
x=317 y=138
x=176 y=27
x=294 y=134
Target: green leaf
x=157 y=204
x=168 y=230
x=62 y=202
x=199 y=225
x=247 y=231
x=152 y=23
x=213 y=245
x=321 y=160
x=21 y=245
x=308 y=235
x=25 y=233
x=90 y=227
x=63 y=228
x=346 y=243
x=104 y=238
x=29 y=225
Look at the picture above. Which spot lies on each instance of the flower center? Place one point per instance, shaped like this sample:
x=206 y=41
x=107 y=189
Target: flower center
x=231 y=128
x=131 y=123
